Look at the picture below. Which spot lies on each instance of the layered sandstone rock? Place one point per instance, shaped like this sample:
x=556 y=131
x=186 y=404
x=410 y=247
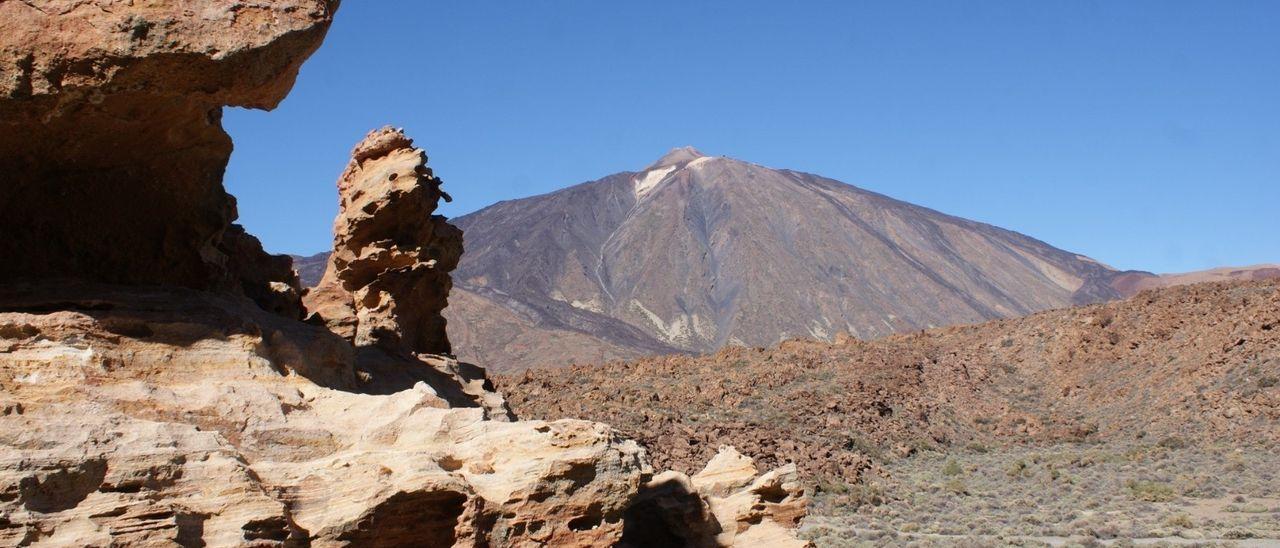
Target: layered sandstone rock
x=110 y=137
x=388 y=276
x=142 y=416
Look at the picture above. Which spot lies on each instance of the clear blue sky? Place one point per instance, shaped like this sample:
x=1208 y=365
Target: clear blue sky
x=1143 y=134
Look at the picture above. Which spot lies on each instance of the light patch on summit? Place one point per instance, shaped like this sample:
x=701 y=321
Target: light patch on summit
x=651 y=179
x=699 y=161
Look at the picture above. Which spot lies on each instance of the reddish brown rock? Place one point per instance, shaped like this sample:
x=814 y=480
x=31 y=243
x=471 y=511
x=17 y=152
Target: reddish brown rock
x=110 y=137
x=388 y=277
x=1195 y=362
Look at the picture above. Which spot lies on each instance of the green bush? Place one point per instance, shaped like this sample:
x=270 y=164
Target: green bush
x=1151 y=491
x=952 y=468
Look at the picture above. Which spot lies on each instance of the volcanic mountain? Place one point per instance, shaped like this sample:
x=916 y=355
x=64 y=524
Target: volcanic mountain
x=697 y=252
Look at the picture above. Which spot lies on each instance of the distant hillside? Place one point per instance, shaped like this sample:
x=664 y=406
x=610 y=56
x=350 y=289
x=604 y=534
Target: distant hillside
x=1197 y=363
x=310 y=268
x=1130 y=283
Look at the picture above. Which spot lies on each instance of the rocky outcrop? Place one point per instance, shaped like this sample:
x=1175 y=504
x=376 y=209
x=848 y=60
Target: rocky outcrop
x=147 y=416
x=151 y=415
x=388 y=276
x=728 y=503
x=110 y=134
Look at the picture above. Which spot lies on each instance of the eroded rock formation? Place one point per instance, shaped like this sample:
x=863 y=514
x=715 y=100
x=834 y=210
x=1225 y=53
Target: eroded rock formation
x=111 y=146
x=388 y=276
x=152 y=415
x=728 y=503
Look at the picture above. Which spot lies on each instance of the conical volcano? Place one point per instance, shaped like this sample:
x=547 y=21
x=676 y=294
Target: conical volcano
x=696 y=252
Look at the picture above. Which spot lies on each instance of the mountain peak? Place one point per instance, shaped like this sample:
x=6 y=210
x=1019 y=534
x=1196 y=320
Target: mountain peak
x=676 y=156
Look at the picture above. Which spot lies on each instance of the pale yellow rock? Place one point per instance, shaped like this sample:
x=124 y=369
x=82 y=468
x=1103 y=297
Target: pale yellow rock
x=153 y=416
x=727 y=471
x=727 y=504
x=752 y=511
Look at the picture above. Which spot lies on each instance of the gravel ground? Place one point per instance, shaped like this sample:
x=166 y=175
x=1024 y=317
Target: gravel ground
x=1164 y=493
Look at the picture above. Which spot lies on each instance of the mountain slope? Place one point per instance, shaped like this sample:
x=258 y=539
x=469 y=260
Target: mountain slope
x=694 y=253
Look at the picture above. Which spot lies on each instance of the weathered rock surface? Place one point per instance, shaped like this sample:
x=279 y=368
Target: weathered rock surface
x=144 y=416
x=388 y=276
x=110 y=138
x=727 y=504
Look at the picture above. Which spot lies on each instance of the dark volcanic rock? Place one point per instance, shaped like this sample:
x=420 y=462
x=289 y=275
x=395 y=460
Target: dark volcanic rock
x=695 y=253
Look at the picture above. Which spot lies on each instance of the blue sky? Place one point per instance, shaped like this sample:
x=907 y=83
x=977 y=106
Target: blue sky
x=1143 y=134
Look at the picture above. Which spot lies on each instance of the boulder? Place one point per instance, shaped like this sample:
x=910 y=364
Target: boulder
x=728 y=503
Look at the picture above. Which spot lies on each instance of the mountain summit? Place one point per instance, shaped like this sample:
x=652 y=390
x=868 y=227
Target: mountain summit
x=676 y=157
x=684 y=257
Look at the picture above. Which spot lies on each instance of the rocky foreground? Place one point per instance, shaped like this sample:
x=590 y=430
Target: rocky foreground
x=1199 y=363
x=160 y=384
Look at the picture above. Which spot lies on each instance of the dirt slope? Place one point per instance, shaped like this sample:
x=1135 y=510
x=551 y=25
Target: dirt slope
x=1198 y=362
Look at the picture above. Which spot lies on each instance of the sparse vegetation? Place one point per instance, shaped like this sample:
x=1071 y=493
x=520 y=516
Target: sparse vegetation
x=1073 y=495
x=952 y=468
x=1151 y=491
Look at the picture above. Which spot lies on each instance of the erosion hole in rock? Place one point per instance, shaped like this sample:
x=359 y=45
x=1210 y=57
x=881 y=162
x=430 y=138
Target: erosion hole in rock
x=62 y=488
x=449 y=463
x=18 y=331
x=135 y=329
x=423 y=518
x=667 y=514
x=276 y=528
x=772 y=493
x=590 y=520
x=581 y=474
x=190 y=530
